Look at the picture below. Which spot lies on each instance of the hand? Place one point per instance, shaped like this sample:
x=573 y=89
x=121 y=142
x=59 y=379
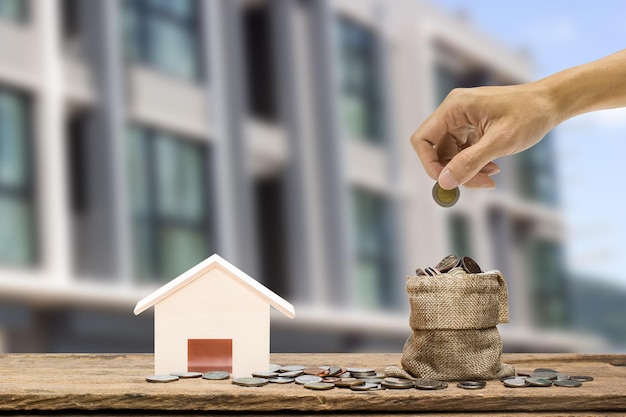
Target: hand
x=459 y=141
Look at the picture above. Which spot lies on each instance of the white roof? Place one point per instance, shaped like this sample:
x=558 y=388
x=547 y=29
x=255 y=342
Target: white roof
x=197 y=271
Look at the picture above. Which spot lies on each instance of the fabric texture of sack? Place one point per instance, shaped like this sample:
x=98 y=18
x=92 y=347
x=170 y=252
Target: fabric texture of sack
x=454 y=320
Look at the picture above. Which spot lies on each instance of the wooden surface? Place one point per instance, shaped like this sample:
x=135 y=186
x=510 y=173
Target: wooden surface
x=66 y=384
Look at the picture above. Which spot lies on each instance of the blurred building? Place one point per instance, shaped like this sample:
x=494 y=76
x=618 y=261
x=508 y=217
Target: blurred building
x=137 y=137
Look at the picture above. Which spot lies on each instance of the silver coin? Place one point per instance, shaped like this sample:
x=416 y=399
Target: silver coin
x=308 y=379
x=397 y=383
x=319 y=386
x=364 y=387
x=349 y=382
x=515 y=382
x=265 y=374
x=292 y=368
x=216 y=375
x=432 y=271
x=472 y=384
x=334 y=370
x=373 y=380
x=291 y=374
x=447 y=263
x=419 y=272
x=161 y=378
x=185 y=375
x=546 y=370
x=569 y=383
x=562 y=377
x=363 y=374
x=581 y=378
x=362 y=370
x=544 y=375
x=538 y=382
x=250 y=382
x=429 y=384
x=281 y=380
x=273 y=367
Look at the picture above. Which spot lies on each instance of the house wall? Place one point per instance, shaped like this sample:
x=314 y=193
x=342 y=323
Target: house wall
x=213 y=306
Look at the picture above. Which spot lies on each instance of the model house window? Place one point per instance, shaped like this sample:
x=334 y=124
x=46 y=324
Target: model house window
x=163 y=34
x=169 y=197
x=17 y=211
x=360 y=81
x=15 y=10
x=372 y=236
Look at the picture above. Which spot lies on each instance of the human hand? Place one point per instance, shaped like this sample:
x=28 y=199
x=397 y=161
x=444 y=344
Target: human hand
x=459 y=141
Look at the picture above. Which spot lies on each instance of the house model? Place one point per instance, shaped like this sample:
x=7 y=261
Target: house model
x=213 y=317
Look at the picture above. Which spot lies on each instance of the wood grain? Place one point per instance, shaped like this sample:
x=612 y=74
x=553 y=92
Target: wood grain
x=56 y=382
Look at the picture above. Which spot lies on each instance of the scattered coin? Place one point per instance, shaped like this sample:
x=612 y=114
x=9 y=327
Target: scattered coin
x=470 y=266
x=429 y=384
x=216 y=375
x=161 y=378
x=291 y=374
x=538 y=382
x=315 y=371
x=569 y=383
x=186 y=375
x=397 y=383
x=250 y=382
x=280 y=380
x=472 y=384
x=263 y=374
x=562 y=377
x=546 y=370
x=362 y=370
x=274 y=368
x=306 y=379
x=544 y=375
x=373 y=380
x=331 y=379
x=447 y=263
x=349 y=382
x=445 y=198
x=514 y=382
x=335 y=370
x=364 y=387
x=581 y=378
x=319 y=386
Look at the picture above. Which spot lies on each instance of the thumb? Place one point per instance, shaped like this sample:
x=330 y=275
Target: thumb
x=465 y=165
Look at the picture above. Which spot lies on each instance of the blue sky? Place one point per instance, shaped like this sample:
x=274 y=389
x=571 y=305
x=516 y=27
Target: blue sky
x=591 y=149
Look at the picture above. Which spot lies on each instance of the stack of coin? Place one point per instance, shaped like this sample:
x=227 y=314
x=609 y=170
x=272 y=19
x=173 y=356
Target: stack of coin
x=472 y=384
x=453 y=265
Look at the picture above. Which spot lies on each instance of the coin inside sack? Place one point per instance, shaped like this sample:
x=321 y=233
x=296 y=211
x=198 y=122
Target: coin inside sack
x=216 y=375
x=161 y=378
x=445 y=198
x=250 y=382
x=447 y=263
x=470 y=266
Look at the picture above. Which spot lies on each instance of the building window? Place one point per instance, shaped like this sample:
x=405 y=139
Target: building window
x=549 y=285
x=536 y=173
x=169 y=195
x=372 y=234
x=163 y=34
x=17 y=211
x=460 y=235
x=15 y=10
x=258 y=42
x=361 y=89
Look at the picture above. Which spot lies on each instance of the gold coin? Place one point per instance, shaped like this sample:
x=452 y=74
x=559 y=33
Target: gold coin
x=445 y=198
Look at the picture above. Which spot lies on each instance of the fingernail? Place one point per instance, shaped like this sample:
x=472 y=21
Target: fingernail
x=447 y=181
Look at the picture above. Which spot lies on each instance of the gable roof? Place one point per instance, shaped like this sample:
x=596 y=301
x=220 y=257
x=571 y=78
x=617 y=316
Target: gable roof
x=216 y=261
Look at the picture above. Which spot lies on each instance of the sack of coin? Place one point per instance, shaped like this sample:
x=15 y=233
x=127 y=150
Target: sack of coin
x=455 y=308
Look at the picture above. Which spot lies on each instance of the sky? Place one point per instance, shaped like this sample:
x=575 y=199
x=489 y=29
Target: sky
x=590 y=148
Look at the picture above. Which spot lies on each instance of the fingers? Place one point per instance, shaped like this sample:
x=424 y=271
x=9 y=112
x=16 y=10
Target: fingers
x=424 y=140
x=472 y=167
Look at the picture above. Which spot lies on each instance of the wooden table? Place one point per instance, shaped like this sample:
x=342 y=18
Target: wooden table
x=73 y=384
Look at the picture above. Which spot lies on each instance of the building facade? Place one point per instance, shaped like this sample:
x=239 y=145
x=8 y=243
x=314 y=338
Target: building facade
x=137 y=137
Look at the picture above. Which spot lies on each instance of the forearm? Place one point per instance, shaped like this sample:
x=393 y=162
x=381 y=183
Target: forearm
x=594 y=86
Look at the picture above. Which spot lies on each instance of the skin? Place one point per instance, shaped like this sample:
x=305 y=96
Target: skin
x=473 y=126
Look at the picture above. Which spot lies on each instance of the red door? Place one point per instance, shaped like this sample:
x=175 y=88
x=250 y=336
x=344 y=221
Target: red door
x=204 y=355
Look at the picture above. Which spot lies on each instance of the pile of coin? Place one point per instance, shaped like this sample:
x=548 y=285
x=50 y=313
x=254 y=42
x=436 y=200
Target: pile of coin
x=545 y=377
x=452 y=265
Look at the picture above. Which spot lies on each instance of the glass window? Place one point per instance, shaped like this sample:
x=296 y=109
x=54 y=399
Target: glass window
x=169 y=202
x=371 y=217
x=460 y=235
x=13 y=10
x=163 y=34
x=361 y=90
x=537 y=175
x=17 y=242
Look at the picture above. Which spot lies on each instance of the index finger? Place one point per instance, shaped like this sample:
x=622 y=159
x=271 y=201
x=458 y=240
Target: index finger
x=424 y=140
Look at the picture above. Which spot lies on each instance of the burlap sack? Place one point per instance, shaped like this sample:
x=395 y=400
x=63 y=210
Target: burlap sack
x=454 y=322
